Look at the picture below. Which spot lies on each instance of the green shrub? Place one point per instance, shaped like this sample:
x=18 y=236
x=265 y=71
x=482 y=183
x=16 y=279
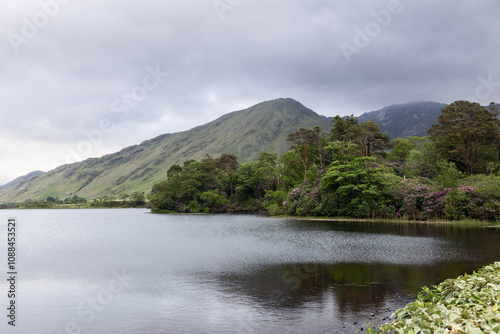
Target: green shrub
x=275 y=209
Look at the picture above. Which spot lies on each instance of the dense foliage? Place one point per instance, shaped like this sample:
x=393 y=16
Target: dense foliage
x=354 y=170
x=216 y=185
x=467 y=304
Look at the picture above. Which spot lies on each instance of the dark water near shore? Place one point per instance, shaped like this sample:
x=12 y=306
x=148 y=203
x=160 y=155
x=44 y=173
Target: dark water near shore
x=129 y=271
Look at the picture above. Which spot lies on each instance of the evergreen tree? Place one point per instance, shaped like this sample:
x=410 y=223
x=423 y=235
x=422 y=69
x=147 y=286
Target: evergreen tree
x=468 y=133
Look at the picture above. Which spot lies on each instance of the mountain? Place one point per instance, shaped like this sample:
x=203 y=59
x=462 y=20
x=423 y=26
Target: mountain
x=405 y=120
x=18 y=181
x=245 y=133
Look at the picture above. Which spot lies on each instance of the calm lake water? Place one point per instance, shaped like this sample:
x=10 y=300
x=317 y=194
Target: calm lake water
x=129 y=271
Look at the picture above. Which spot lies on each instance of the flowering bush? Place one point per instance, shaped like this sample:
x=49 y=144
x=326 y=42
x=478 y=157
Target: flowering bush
x=364 y=188
x=416 y=199
x=421 y=200
x=303 y=200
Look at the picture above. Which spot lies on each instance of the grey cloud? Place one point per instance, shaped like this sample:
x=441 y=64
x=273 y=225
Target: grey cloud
x=65 y=80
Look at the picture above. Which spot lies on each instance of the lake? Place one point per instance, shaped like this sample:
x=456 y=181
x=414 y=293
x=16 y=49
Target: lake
x=130 y=271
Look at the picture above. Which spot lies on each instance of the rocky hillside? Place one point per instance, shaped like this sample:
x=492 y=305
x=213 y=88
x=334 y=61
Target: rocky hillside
x=406 y=120
x=18 y=181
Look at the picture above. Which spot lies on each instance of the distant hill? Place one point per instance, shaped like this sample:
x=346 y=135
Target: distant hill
x=19 y=180
x=406 y=120
x=245 y=133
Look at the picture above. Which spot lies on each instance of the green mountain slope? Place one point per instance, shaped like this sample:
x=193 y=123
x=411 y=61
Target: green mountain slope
x=245 y=133
x=18 y=181
x=406 y=120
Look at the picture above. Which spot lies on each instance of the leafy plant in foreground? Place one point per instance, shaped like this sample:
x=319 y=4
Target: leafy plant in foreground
x=467 y=304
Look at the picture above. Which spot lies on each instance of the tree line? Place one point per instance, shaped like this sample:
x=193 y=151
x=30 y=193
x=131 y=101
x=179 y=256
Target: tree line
x=134 y=200
x=354 y=170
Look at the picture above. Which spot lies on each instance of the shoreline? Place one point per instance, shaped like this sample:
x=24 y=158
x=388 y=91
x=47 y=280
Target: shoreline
x=487 y=224
x=375 y=220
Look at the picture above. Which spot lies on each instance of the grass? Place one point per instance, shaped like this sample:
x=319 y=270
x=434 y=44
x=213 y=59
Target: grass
x=468 y=304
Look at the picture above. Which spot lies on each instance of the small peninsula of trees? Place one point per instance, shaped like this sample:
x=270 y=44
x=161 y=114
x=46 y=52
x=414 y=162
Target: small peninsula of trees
x=354 y=170
x=134 y=200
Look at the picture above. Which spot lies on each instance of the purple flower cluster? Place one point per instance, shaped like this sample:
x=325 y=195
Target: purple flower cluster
x=421 y=201
x=313 y=193
x=304 y=199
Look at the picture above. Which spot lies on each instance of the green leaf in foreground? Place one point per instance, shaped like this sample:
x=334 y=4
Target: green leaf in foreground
x=467 y=304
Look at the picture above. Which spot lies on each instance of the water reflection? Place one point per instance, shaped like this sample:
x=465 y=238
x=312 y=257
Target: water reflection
x=362 y=292
x=231 y=273
x=359 y=292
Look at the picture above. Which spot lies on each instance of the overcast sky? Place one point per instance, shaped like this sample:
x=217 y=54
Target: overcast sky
x=82 y=78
